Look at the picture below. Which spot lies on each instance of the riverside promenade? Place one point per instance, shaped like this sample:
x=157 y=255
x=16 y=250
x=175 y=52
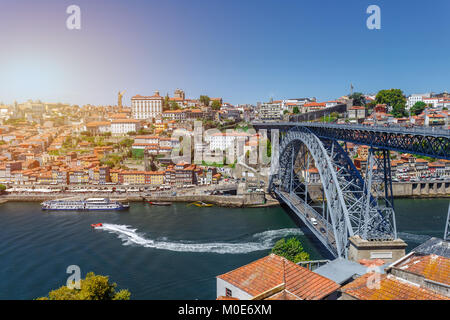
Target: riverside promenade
x=238 y=201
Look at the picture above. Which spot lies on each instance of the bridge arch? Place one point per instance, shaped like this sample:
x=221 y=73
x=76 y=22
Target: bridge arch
x=350 y=210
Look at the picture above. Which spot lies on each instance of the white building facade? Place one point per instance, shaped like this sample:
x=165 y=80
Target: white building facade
x=123 y=126
x=223 y=141
x=412 y=99
x=271 y=111
x=143 y=108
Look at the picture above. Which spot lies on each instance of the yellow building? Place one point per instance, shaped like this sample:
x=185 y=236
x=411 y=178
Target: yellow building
x=132 y=177
x=114 y=174
x=155 y=178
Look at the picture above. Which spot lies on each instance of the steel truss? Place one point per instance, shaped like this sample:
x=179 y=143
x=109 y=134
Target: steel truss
x=426 y=141
x=447 y=226
x=350 y=207
x=429 y=143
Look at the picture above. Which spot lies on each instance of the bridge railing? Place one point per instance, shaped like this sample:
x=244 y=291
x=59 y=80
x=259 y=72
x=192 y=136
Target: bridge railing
x=391 y=128
x=313 y=264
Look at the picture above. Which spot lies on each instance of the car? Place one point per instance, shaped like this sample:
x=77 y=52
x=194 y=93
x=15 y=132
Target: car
x=322 y=230
x=314 y=221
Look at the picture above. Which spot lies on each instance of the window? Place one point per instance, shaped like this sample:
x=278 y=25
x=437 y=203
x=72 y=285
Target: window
x=228 y=292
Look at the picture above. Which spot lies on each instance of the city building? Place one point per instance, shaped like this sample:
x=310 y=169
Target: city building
x=414 y=98
x=123 y=126
x=270 y=111
x=357 y=113
x=423 y=274
x=224 y=140
x=147 y=107
x=314 y=106
x=96 y=127
x=275 y=278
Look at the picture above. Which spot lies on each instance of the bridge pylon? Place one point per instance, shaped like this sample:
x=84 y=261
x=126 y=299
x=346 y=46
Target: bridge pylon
x=447 y=226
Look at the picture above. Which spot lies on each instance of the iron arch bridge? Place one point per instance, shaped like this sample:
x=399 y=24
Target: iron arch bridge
x=350 y=204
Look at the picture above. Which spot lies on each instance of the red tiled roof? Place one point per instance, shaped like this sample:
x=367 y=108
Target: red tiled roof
x=125 y=121
x=432 y=267
x=371 y=262
x=271 y=271
x=315 y=104
x=139 y=97
x=387 y=287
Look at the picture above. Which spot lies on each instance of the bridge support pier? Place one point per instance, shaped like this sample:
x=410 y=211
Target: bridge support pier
x=387 y=250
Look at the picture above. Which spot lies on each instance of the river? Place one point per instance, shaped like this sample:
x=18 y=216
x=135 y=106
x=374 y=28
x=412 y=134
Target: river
x=160 y=252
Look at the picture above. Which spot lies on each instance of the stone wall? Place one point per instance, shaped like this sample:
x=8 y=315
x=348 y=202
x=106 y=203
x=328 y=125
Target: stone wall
x=404 y=190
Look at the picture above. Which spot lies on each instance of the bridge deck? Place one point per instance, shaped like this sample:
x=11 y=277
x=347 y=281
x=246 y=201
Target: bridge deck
x=322 y=230
x=392 y=128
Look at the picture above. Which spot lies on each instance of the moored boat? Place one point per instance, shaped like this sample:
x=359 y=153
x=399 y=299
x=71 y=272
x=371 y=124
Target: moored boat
x=201 y=204
x=156 y=203
x=75 y=204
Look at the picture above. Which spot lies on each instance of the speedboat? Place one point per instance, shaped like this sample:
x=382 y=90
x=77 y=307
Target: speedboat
x=96 y=225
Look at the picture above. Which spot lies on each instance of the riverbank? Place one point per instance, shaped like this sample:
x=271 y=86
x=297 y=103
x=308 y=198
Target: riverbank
x=251 y=200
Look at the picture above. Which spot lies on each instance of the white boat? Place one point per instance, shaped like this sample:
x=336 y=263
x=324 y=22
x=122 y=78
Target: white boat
x=84 y=204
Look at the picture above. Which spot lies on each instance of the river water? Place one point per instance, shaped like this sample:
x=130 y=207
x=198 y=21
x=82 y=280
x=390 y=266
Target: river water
x=160 y=252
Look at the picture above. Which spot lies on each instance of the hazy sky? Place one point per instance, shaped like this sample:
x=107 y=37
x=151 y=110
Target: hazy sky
x=242 y=50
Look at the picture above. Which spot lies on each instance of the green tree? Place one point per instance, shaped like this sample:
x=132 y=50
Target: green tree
x=418 y=107
x=93 y=287
x=166 y=104
x=295 y=110
x=291 y=249
x=2 y=188
x=126 y=143
x=174 y=106
x=358 y=99
x=399 y=110
x=205 y=100
x=391 y=97
x=215 y=105
x=371 y=105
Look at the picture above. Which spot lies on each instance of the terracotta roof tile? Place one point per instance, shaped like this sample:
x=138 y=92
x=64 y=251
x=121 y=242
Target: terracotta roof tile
x=388 y=287
x=271 y=271
x=432 y=267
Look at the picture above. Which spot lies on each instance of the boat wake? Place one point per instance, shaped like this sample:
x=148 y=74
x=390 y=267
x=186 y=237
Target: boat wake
x=260 y=241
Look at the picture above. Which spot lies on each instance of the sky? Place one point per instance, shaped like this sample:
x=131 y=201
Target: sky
x=244 y=51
